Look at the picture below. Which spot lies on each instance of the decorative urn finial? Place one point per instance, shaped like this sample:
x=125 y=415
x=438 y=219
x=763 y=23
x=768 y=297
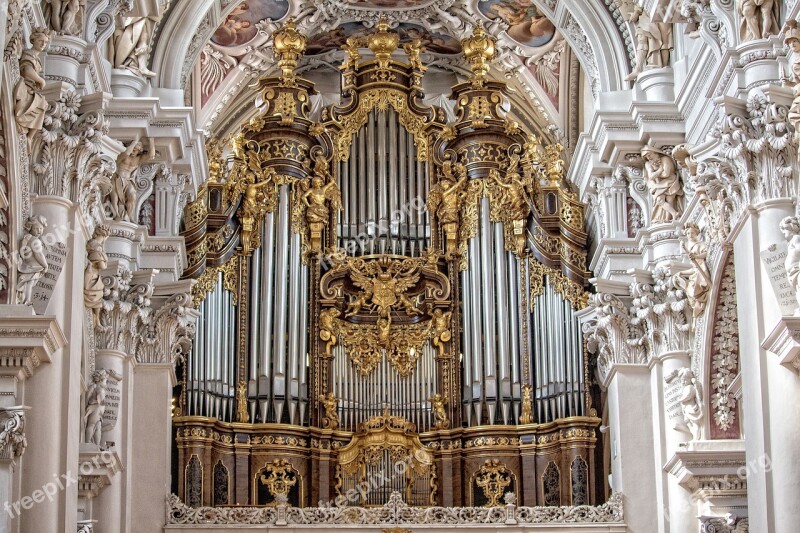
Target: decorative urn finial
x=480 y=49
x=288 y=46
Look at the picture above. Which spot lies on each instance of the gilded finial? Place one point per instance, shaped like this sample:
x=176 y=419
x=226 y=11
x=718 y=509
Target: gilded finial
x=479 y=49
x=288 y=46
x=383 y=42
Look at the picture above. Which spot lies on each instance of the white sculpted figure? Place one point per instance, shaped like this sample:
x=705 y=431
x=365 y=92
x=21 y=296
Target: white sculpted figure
x=122 y=196
x=93 y=288
x=32 y=262
x=653 y=42
x=30 y=104
x=65 y=16
x=759 y=18
x=792 y=40
x=130 y=46
x=790 y=227
x=96 y=405
x=663 y=183
x=695 y=282
x=691 y=400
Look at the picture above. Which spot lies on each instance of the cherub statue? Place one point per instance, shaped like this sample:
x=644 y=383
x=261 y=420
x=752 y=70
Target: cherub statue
x=30 y=104
x=439 y=412
x=96 y=405
x=32 y=263
x=663 y=183
x=328 y=328
x=441 y=329
x=130 y=47
x=792 y=40
x=691 y=400
x=695 y=282
x=790 y=227
x=445 y=200
x=758 y=18
x=65 y=16
x=331 y=405
x=384 y=326
x=653 y=42
x=315 y=198
x=122 y=196
x=93 y=288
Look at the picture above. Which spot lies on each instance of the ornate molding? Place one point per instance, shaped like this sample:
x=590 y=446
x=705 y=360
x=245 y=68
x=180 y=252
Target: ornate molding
x=26 y=342
x=784 y=341
x=12 y=436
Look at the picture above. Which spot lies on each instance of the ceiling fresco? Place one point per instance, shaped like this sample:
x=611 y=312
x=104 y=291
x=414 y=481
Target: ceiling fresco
x=526 y=25
x=239 y=27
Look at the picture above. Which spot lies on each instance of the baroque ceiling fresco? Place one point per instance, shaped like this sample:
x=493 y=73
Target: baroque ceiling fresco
x=533 y=53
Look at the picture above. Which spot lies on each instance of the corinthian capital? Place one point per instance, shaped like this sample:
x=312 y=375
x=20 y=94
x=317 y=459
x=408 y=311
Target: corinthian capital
x=12 y=435
x=170 y=332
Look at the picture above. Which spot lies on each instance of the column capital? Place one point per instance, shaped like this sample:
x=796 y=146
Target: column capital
x=12 y=435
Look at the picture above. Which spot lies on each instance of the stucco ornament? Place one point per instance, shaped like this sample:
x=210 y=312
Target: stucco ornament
x=130 y=47
x=663 y=183
x=96 y=405
x=792 y=40
x=696 y=281
x=30 y=104
x=32 y=263
x=790 y=227
x=93 y=287
x=691 y=400
x=758 y=18
x=65 y=16
x=122 y=194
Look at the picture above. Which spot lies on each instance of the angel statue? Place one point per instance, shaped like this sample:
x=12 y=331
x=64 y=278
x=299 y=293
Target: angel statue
x=32 y=264
x=328 y=328
x=511 y=199
x=331 y=406
x=691 y=400
x=439 y=411
x=654 y=42
x=695 y=282
x=315 y=200
x=30 y=104
x=93 y=287
x=130 y=47
x=441 y=329
x=445 y=200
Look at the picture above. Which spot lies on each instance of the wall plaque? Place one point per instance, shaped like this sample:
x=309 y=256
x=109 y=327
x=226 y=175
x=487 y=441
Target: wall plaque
x=773 y=259
x=56 y=256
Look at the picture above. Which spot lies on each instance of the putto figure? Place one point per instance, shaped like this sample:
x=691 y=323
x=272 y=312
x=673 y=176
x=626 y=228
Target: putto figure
x=790 y=227
x=33 y=263
x=691 y=400
x=30 y=104
x=663 y=183
x=695 y=282
x=93 y=288
x=96 y=405
x=65 y=16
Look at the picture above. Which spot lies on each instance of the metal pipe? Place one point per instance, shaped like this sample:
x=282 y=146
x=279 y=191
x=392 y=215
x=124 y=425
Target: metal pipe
x=362 y=181
x=502 y=301
x=515 y=315
x=487 y=286
x=281 y=293
x=413 y=192
x=267 y=283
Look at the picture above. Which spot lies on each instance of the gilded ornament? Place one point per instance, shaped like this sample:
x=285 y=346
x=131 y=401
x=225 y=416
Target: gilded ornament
x=479 y=49
x=493 y=477
x=445 y=199
x=331 y=405
x=311 y=201
x=288 y=45
x=439 y=412
x=441 y=329
x=526 y=417
x=280 y=479
x=328 y=328
x=383 y=43
x=242 y=414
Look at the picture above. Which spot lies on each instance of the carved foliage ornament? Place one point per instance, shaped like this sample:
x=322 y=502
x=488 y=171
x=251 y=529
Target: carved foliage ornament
x=279 y=479
x=494 y=478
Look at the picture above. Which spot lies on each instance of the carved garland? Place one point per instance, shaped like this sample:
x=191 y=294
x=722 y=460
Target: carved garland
x=725 y=357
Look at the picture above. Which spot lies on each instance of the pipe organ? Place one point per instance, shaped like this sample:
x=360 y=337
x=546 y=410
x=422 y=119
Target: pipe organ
x=382 y=287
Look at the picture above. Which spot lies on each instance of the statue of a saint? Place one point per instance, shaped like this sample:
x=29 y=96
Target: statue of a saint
x=790 y=227
x=653 y=42
x=122 y=196
x=663 y=183
x=691 y=400
x=30 y=104
x=93 y=287
x=65 y=16
x=695 y=282
x=32 y=263
x=758 y=19
x=130 y=46
x=96 y=405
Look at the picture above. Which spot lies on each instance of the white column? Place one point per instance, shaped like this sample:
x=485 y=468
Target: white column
x=771 y=392
x=53 y=427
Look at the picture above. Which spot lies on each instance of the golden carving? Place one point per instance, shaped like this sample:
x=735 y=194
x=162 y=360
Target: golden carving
x=510 y=202
x=493 y=477
x=568 y=289
x=382 y=43
x=526 y=417
x=479 y=48
x=285 y=108
x=242 y=414
x=280 y=479
x=331 y=405
x=384 y=284
x=439 y=411
x=208 y=281
x=288 y=45
x=441 y=329
x=366 y=343
x=328 y=328
x=216 y=164
x=445 y=199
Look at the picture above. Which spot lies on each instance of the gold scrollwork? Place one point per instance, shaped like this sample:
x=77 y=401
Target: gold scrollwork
x=493 y=477
x=280 y=478
x=568 y=289
x=526 y=416
x=331 y=405
x=208 y=281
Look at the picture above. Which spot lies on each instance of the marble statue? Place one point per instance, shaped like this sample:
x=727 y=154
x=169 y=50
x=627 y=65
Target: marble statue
x=790 y=227
x=695 y=282
x=653 y=43
x=758 y=18
x=93 y=287
x=96 y=405
x=65 y=16
x=32 y=263
x=663 y=183
x=130 y=46
x=30 y=104
x=122 y=195
x=792 y=40
x=691 y=400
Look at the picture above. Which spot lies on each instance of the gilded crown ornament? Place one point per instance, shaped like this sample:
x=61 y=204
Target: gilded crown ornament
x=383 y=43
x=480 y=49
x=288 y=46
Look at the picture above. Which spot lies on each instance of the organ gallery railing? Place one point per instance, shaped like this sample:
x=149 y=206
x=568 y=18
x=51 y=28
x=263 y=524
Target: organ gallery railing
x=374 y=261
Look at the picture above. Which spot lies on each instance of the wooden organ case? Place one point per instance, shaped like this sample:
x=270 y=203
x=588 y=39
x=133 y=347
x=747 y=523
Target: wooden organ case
x=379 y=288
